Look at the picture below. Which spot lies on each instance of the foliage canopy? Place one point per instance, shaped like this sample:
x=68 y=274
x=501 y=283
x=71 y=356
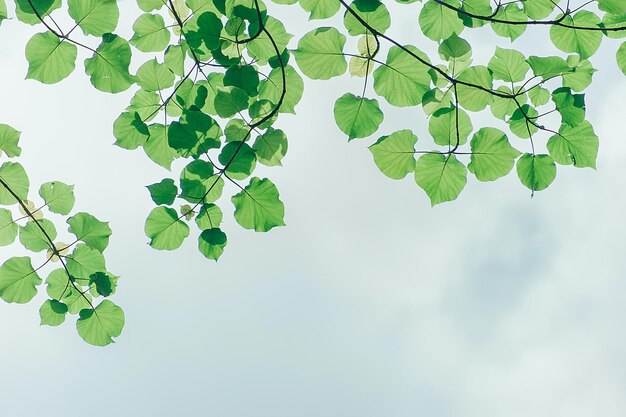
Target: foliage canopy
x=224 y=70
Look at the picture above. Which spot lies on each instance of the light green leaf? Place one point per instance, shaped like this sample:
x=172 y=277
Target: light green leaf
x=108 y=68
x=18 y=280
x=438 y=22
x=621 y=57
x=84 y=261
x=153 y=76
x=320 y=54
x=42 y=8
x=508 y=65
x=58 y=196
x=536 y=171
x=394 y=155
x=98 y=327
x=90 y=230
x=320 y=9
x=442 y=126
x=163 y=192
x=575 y=145
x=32 y=236
x=52 y=313
x=95 y=17
x=209 y=217
x=442 y=177
x=8 y=228
x=271 y=147
x=258 y=206
x=165 y=230
x=404 y=80
x=150 y=33
x=584 y=42
x=373 y=12
x=492 y=154
x=50 y=59
x=357 y=117
x=212 y=242
x=13 y=175
x=9 y=139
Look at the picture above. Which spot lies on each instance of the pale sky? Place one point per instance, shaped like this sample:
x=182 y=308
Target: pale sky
x=369 y=303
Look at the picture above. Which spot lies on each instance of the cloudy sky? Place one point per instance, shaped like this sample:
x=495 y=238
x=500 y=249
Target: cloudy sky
x=368 y=303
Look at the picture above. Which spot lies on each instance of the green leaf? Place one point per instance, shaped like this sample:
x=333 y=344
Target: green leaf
x=471 y=97
x=108 y=68
x=157 y=146
x=272 y=89
x=536 y=171
x=153 y=76
x=33 y=238
x=230 y=101
x=581 y=76
x=58 y=196
x=492 y=154
x=52 y=313
x=357 y=117
x=199 y=184
x=245 y=77
x=149 y=5
x=373 y=12
x=438 y=22
x=8 y=228
x=539 y=9
x=95 y=17
x=263 y=48
x=13 y=175
x=320 y=9
x=521 y=120
x=60 y=288
x=404 y=80
x=212 y=242
x=145 y=104
x=621 y=57
x=90 y=230
x=3 y=11
x=18 y=280
x=320 y=54
x=202 y=33
x=271 y=147
x=509 y=13
x=548 y=67
x=194 y=134
x=239 y=159
x=9 y=139
x=442 y=126
x=570 y=106
x=441 y=177
x=150 y=33
x=394 y=155
x=105 y=285
x=50 y=59
x=130 y=131
x=258 y=206
x=209 y=217
x=584 y=42
x=164 y=192
x=85 y=261
x=98 y=327
x=27 y=14
x=508 y=65
x=575 y=145
x=165 y=230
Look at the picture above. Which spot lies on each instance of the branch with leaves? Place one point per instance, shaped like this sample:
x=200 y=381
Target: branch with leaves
x=208 y=104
